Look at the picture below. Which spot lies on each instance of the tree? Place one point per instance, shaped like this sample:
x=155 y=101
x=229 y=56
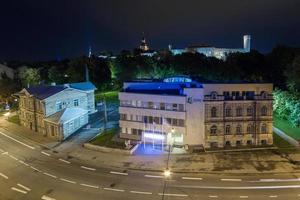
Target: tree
x=292 y=74
x=30 y=76
x=54 y=75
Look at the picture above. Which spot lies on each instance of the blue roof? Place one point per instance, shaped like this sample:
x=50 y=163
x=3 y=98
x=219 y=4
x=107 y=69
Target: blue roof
x=86 y=86
x=42 y=91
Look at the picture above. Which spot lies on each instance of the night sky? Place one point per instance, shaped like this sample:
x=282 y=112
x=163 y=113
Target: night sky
x=42 y=30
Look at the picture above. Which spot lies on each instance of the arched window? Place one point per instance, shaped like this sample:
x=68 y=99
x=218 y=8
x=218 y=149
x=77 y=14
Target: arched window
x=228 y=112
x=264 y=128
x=213 y=130
x=214 y=95
x=239 y=129
x=239 y=111
x=264 y=111
x=249 y=111
x=227 y=129
x=213 y=112
x=264 y=94
x=250 y=129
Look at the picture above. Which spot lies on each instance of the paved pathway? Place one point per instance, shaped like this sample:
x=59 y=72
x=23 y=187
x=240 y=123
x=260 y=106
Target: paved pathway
x=284 y=136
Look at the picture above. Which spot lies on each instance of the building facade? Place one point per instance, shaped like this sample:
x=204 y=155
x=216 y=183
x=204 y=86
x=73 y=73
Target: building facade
x=190 y=114
x=210 y=51
x=56 y=111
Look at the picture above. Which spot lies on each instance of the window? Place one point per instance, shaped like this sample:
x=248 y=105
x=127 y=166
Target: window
x=214 y=95
x=58 y=105
x=174 y=122
x=249 y=142
x=264 y=111
x=263 y=142
x=169 y=121
x=227 y=143
x=181 y=122
x=157 y=120
x=239 y=129
x=239 y=111
x=227 y=129
x=180 y=107
x=228 y=112
x=76 y=102
x=162 y=106
x=249 y=111
x=213 y=130
x=264 y=128
x=123 y=116
x=250 y=129
x=214 y=112
x=238 y=143
x=150 y=104
x=174 y=106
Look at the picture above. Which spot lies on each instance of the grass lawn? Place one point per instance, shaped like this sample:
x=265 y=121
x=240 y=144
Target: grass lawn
x=286 y=127
x=14 y=119
x=105 y=139
x=111 y=97
x=279 y=142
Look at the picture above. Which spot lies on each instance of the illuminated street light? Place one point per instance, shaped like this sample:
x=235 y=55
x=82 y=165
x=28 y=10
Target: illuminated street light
x=167 y=173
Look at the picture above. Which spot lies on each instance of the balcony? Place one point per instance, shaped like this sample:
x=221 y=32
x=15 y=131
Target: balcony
x=238 y=98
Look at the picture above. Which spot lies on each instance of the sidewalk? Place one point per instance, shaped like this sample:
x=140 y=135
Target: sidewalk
x=284 y=136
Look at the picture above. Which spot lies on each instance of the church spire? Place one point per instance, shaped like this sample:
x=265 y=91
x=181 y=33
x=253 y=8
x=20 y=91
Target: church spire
x=144 y=46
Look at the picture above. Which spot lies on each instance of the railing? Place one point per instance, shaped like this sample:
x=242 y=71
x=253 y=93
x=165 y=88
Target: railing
x=150 y=108
x=237 y=98
x=130 y=136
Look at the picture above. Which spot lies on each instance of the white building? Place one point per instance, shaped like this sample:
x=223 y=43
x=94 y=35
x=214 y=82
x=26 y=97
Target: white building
x=210 y=51
x=190 y=114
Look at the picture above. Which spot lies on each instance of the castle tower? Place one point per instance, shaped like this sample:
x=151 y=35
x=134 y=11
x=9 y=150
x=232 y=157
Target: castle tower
x=247 y=40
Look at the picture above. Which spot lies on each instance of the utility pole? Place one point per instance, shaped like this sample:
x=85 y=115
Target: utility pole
x=105 y=112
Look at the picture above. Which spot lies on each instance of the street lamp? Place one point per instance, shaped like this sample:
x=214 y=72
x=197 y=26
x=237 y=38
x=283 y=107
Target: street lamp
x=167 y=173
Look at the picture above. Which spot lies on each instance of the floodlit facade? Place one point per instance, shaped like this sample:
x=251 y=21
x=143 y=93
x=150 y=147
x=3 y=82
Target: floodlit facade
x=194 y=115
x=56 y=111
x=210 y=51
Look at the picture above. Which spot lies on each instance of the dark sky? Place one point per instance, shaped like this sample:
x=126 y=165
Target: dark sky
x=41 y=29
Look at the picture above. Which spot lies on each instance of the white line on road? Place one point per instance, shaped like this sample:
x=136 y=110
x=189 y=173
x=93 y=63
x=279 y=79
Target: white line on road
x=174 y=195
x=26 y=145
x=35 y=169
x=153 y=176
x=112 y=189
x=3 y=175
x=18 y=190
x=47 y=154
x=4 y=153
x=273 y=196
x=11 y=156
x=91 y=186
x=65 y=161
x=68 y=181
x=45 y=197
x=139 y=192
x=243 y=197
x=47 y=174
x=191 y=178
x=238 y=187
x=213 y=196
x=231 y=179
x=88 y=168
x=24 y=163
x=24 y=187
x=277 y=180
x=119 y=173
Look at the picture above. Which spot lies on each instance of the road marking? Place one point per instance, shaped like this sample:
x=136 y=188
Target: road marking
x=213 y=196
x=65 y=161
x=18 y=190
x=68 y=181
x=24 y=163
x=139 y=192
x=47 y=174
x=44 y=197
x=273 y=196
x=174 y=195
x=191 y=178
x=231 y=179
x=91 y=186
x=153 y=176
x=4 y=176
x=119 y=173
x=238 y=187
x=11 y=156
x=24 y=187
x=35 y=169
x=243 y=197
x=112 y=189
x=26 y=145
x=277 y=180
x=88 y=168
x=47 y=154
x=4 y=153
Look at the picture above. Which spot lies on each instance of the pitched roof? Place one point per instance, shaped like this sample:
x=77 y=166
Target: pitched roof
x=86 y=86
x=44 y=91
x=66 y=114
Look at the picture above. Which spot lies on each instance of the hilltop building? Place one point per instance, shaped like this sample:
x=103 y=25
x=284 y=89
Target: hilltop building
x=193 y=115
x=210 y=51
x=56 y=111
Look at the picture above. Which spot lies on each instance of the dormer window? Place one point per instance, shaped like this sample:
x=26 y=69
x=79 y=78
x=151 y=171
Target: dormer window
x=214 y=95
x=264 y=95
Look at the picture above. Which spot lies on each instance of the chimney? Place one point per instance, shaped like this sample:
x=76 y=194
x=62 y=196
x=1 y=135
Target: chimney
x=247 y=40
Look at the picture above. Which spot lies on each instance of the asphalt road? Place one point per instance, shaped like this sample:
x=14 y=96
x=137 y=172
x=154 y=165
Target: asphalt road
x=27 y=171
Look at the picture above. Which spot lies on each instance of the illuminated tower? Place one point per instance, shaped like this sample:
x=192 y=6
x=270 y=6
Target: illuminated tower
x=247 y=39
x=144 y=46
